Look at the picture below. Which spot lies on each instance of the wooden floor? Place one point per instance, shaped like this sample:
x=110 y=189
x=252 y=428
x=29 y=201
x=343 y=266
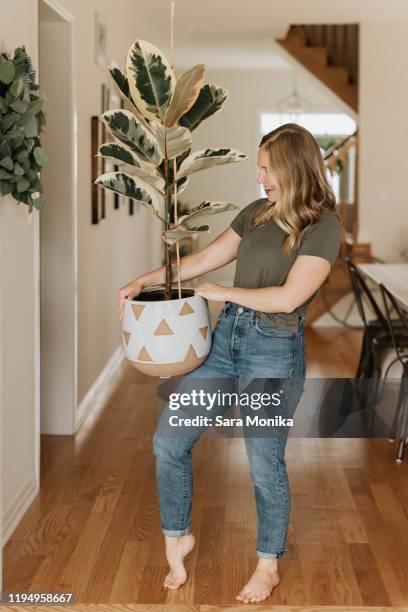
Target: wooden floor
x=95 y=528
x=202 y=608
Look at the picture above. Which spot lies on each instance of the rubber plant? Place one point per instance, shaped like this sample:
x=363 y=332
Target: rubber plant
x=21 y=121
x=151 y=141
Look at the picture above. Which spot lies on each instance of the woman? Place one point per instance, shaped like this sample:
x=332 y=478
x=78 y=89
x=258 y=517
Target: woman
x=285 y=245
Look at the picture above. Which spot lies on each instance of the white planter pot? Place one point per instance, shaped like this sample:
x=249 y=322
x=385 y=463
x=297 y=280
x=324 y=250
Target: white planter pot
x=166 y=337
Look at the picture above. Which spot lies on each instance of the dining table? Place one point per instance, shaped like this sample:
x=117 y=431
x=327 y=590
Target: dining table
x=394 y=276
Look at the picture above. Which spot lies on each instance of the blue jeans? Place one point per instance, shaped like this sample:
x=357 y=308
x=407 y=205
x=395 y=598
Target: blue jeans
x=245 y=347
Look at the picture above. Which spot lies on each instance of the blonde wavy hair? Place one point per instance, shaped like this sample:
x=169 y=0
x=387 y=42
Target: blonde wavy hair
x=296 y=164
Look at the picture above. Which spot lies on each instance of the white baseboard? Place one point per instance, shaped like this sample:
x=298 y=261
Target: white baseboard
x=98 y=392
x=19 y=505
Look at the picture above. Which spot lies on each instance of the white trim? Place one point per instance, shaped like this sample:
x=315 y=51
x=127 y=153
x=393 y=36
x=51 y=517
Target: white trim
x=37 y=345
x=1 y=392
x=19 y=506
x=67 y=16
x=74 y=193
x=60 y=9
x=98 y=393
x=37 y=321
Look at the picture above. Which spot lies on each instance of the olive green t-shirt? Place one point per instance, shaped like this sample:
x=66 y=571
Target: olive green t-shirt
x=261 y=262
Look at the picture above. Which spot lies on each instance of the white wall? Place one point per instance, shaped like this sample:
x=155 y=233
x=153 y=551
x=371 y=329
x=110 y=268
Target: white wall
x=57 y=228
x=18 y=284
x=384 y=137
x=237 y=125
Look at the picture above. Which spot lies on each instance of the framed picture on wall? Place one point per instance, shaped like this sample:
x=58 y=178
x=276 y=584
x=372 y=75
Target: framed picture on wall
x=105 y=98
x=101 y=56
x=97 y=167
x=109 y=99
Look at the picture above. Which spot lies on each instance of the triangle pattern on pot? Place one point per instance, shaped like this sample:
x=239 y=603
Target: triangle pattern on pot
x=144 y=355
x=186 y=309
x=137 y=310
x=164 y=329
x=191 y=355
x=126 y=336
x=204 y=331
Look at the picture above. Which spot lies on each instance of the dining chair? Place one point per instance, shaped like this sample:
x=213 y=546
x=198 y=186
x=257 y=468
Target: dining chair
x=369 y=365
x=400 y=420
x=376 y=343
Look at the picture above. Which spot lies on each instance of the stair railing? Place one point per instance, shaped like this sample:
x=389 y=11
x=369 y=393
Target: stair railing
x=342 y=159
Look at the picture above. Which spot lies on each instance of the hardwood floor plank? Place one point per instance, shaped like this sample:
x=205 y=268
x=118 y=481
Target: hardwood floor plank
x=391 y=567
x=79 y=568
x=125 y=513
x=369 y=580
x=291 y=589
x=209 y=555
x=51 y=569
x=129 y=574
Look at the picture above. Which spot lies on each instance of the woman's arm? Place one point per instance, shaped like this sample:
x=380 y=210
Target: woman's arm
x=218 y=253
x=305 y=277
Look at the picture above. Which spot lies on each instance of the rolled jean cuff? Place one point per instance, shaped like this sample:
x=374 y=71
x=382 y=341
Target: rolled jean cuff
x=176 y=533
x=263 y=555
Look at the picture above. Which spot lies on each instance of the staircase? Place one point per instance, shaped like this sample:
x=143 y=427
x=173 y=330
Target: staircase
x=330 y=52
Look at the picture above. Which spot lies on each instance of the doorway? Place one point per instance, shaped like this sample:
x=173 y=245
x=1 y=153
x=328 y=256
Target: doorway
x=58 y=224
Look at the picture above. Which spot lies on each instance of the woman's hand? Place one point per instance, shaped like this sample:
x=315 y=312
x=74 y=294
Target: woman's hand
x=211 y=291
x=131 y=290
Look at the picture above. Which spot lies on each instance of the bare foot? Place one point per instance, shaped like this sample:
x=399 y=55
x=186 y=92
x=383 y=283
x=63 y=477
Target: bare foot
x=262 y=582
x=176 y=550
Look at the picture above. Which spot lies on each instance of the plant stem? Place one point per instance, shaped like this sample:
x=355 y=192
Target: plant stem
x=167 y=225
x=175 y=223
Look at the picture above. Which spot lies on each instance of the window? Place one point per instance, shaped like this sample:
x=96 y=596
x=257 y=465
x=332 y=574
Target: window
x=319 y=124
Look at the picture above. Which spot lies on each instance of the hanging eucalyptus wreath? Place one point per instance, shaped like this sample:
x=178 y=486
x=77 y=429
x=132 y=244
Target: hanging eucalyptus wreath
x=21 y=121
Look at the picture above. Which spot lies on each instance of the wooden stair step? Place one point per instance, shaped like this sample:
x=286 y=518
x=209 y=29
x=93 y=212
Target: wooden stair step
x=334 y=77
x=316 y=59
x=314 y=55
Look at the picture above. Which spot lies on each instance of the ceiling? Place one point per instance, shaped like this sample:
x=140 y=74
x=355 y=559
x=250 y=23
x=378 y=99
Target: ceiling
x=239 y=34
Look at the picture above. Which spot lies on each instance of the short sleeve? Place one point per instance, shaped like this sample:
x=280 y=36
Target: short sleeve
x=323 y=239
x=240 y=222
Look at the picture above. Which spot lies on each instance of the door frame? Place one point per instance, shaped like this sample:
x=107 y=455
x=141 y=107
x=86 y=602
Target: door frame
x=67 y=16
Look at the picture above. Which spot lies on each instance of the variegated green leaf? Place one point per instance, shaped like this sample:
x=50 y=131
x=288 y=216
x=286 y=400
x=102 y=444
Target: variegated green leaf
x=119 y=154
x=174 y=235
x=210 y=100
x=151 y=79
x=133 y=188
x=121 y=82
x=186 y=92
x=172 y=141
x=124 y=126
x=207 y=158
x=122 y=85
x=208 y=208
x=182 y=184
x=130 y=164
